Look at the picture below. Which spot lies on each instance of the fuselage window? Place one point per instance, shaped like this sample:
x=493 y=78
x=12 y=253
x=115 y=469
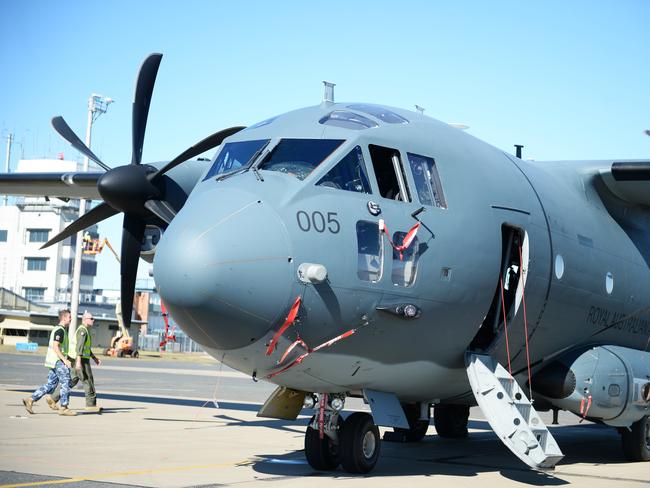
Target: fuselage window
x=349 y=174
x=299 y=157
x=382 y=113
x=234 y=156
x=405 y=266
x=370 y=257
x=427 y=180
x=389 y=171
x=348 y=120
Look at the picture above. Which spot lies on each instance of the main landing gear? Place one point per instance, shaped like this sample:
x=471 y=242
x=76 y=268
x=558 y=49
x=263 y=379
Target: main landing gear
x=636 y=440
x=451 y=420
x=353 y=443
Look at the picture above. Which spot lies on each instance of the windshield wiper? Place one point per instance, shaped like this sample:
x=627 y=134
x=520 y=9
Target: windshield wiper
x=246 y=166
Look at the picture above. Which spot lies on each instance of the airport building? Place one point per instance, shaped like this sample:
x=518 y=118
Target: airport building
x=42 y=276
x=35 y=283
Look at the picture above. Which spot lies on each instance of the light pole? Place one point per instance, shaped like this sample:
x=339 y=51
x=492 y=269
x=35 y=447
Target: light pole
x=10 y=139
x=97 y=105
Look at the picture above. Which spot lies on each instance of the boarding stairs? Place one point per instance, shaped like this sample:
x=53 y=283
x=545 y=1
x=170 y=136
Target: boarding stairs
x=510 y=413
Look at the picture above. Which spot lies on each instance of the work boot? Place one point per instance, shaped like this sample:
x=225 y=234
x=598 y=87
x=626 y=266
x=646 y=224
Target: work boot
x=66 y=411
x=29 y=403
x=94 y=409
x=51 y=403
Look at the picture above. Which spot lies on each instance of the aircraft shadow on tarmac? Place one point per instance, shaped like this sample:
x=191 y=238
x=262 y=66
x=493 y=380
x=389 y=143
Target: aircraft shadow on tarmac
x=481 y=452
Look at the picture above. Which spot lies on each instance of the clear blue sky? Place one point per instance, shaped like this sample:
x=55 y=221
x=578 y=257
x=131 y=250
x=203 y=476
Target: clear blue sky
x=569 y=80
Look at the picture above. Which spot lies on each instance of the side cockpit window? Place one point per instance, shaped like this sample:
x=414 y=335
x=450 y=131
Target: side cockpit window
x=349 y=174
x=427 y=181
x=389 y=171
x=234 y=156
x=370 y=251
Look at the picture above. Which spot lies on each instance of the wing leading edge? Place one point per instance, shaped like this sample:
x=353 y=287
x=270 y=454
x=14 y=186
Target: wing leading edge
x=629 y=181
x=58 y=185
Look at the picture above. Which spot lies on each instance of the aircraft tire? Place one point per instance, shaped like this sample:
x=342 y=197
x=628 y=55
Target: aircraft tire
x=417 y=427
x=636 y=442
x=321 y=454
x=360 y=443
x=451 y=420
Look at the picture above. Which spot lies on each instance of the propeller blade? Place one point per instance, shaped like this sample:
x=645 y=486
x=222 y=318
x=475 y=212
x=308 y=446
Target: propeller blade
x=97 y=214
x=64 y=130
x=141 y=102
x=132 y=234
x=161 y=209
x=200 y=147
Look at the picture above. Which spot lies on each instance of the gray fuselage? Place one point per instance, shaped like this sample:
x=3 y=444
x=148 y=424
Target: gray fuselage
x=227 y=265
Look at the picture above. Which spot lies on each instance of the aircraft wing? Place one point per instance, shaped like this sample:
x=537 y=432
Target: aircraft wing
x=59 y=185
x=629 y=181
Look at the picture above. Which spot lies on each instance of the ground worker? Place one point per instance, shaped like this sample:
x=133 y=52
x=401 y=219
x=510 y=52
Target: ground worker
x=56 y=360
x=80 y=352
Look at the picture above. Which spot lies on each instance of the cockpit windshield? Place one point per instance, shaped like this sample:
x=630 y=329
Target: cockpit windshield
x=299 y=157
x=236 y=155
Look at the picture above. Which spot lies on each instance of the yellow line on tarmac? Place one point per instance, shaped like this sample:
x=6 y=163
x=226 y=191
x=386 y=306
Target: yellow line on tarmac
x=116 y=474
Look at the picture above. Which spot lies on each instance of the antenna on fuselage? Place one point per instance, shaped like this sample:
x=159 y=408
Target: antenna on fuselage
x=328 y=95
x=519 y=147
x=419 y=109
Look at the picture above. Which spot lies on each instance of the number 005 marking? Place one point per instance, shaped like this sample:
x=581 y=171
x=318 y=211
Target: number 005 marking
x=318 y=222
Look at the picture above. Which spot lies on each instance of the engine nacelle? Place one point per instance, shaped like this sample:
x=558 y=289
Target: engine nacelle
x=606 y=383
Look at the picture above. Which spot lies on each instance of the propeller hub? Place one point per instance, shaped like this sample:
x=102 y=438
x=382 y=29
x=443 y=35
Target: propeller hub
x=127 y=188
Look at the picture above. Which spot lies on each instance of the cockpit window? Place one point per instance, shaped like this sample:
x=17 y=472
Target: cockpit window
x=348 y=120
x=349 y=174
x=382 y=113
x=390 y=174
x=427 y=180
x=299 y=157
x=234 y=156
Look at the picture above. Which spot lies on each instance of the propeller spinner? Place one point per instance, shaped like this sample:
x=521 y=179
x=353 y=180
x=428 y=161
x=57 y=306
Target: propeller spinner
x=133 y=189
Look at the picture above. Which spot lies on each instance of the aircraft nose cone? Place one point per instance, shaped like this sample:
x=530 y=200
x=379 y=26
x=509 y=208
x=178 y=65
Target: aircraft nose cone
x=223 y=268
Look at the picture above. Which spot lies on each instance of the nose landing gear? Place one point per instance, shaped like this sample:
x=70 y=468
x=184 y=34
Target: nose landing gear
x=354 y=443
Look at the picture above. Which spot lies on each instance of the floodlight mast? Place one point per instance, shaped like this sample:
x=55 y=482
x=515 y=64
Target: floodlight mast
x=10 y=139
x=97 y=105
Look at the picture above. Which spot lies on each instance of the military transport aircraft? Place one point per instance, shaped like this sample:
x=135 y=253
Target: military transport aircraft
x=356 y=250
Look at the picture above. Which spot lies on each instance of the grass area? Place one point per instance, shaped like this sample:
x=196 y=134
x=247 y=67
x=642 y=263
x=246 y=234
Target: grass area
x=194 y=357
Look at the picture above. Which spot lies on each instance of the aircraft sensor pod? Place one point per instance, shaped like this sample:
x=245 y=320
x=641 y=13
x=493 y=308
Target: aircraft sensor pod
x=312 y=273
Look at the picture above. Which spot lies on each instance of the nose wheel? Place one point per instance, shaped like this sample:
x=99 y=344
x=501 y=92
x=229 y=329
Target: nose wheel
x=360 y=443
x=356 y=447
x=322 y=454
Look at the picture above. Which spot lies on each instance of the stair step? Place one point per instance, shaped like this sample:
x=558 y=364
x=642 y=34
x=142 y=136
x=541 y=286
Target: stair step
x=510 y=413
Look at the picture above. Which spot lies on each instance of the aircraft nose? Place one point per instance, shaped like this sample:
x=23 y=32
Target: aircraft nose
x=223 y=268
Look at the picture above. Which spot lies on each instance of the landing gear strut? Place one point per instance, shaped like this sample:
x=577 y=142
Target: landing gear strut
x=353 y=443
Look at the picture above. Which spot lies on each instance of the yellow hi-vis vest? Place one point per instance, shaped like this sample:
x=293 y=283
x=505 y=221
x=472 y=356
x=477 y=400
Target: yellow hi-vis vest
x=51 y=358
x=85 y=352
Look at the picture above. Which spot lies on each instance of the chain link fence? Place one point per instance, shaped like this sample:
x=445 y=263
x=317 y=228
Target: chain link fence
x=151 y=342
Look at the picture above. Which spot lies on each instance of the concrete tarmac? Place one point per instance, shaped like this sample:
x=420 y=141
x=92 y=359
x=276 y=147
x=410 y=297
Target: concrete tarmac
x=159 y=438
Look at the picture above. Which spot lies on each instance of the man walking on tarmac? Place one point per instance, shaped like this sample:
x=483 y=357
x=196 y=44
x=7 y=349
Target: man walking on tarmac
x=56 y=359
x=80 y=352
